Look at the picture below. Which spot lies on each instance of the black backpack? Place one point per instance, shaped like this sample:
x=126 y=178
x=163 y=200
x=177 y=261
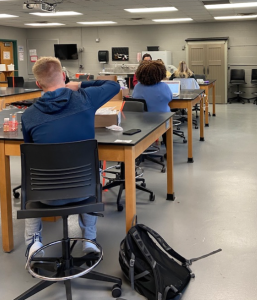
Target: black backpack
x=151 y=268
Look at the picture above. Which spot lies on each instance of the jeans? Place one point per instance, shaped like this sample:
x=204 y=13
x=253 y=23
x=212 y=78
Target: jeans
x=87 y=225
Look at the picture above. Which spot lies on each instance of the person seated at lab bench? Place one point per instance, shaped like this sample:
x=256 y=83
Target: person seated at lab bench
x=65 y=113
x=182 y=72
x=157 y=94
x=168 y=74
x=146 y=56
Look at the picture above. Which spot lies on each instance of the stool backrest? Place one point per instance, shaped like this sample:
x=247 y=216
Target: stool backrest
x=60 y=171
x=30 y=85
x=133 y=106
x=254 y=76
x=15 y=81
x=129 y=99
x=237 y=74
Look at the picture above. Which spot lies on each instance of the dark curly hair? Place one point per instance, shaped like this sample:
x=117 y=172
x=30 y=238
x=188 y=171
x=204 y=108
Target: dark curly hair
x=150 y=72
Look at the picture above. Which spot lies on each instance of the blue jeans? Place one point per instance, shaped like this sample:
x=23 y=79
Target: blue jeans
x=87 y=225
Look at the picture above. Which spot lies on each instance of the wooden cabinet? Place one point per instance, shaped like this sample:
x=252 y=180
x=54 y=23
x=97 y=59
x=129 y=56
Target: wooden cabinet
x=210 y=58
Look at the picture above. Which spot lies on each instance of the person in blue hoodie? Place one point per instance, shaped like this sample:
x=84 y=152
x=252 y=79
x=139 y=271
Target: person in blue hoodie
x=65 y=113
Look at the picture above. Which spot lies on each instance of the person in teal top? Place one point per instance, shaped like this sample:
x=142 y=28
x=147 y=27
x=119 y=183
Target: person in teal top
x=157 y=94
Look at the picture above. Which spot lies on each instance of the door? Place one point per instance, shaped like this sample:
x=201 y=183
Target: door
x=215 y=70
x=6 y=57
x=210 y=59
x=196 y=60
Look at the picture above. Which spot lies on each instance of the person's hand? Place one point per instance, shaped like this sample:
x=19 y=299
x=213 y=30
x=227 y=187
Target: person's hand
x=73 y=85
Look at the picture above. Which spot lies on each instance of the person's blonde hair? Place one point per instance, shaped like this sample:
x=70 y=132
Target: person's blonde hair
x=48 y=71
x=183 y=71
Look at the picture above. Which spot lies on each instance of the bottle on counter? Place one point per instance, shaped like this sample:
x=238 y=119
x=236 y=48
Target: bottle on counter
x=13 y=124
x=6 y=124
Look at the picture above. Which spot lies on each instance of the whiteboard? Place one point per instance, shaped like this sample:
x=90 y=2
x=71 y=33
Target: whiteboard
x=42 y=47
x=164 y=55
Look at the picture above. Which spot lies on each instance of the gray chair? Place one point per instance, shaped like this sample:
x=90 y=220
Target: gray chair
x=237 y=77
x=47 y=175
x=30 y=85
x=189 y=84
x=200 y=76
x=118 y=171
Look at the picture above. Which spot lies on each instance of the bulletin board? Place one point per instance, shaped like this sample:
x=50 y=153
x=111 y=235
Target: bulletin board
x=42 y=47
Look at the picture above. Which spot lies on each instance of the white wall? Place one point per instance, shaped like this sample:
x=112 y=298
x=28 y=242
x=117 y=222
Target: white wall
x=20 y=35
x=242 y=42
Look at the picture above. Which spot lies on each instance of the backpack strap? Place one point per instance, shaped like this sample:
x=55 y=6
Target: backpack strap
x=163 y=243
x=147 y=255
x=190 y=261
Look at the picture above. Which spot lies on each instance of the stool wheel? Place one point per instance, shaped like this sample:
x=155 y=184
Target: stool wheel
x=116 y=291
x=163 y=170
x=152 y=197
x=16 y=195
x=120 y=207
x=184 y=141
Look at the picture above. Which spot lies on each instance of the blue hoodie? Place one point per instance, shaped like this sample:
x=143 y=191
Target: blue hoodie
x=67 y=116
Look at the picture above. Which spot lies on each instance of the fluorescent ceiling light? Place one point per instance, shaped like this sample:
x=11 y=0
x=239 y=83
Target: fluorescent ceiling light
x=44 y=24
x=173 y=20
x=56 y=14
x=232 y=5
x=235 y=17
x=7 y=16
x=97 y=23
x=151 y=9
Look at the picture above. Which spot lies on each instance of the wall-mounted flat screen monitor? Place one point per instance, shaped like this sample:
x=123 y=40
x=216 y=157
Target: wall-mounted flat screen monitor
x=66 y=51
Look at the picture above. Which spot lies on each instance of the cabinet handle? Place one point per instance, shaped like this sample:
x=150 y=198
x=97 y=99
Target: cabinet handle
x=203 y=70
x=208 y=70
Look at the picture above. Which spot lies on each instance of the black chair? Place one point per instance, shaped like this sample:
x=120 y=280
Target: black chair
x=86 y=77
x=149 y=153
x=237 y=77
x=118 y=171
x=47 y=175
x=200 y=76
x=15 y=81
x=254 y=82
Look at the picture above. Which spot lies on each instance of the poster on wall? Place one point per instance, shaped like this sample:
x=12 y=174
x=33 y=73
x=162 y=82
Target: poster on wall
x=6 y=54
x=21 y=56
x=120 y=53
x=20 y=49
x=33 y=58
x=32 y=52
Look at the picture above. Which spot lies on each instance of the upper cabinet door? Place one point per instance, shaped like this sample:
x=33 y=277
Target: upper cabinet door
x=197 y=58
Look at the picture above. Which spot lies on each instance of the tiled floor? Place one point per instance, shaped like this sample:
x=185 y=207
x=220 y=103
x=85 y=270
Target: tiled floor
x=215 y=207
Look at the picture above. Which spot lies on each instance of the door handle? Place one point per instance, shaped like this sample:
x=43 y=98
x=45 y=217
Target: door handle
x=203 y=70
x=208 y=70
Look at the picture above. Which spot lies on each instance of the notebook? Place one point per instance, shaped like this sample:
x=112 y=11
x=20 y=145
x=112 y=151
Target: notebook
x=174 y=87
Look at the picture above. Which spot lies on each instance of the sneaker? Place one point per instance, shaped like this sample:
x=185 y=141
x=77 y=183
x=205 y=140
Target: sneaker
x=33 y=247
x=89 y=247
